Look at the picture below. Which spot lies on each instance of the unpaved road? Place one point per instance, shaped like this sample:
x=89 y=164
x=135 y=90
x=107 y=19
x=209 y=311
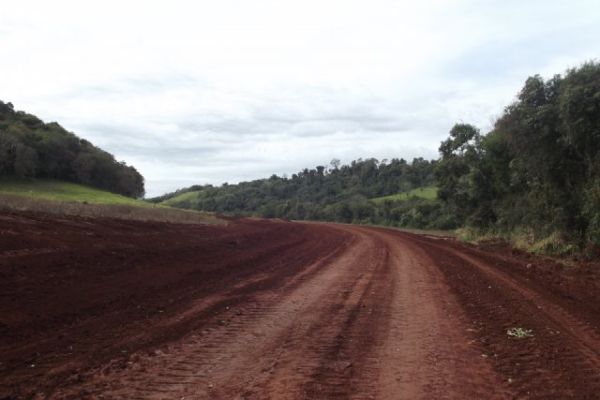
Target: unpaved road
x=106 y=309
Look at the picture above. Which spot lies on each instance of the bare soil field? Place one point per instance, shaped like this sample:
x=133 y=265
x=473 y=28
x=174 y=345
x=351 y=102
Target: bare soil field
x=115 y=309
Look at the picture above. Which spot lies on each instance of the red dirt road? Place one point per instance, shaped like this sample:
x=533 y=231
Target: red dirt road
x=106 y=309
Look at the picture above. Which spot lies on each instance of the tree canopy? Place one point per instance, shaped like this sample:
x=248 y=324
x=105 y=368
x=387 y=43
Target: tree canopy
x=30 y=148
x=539 y=168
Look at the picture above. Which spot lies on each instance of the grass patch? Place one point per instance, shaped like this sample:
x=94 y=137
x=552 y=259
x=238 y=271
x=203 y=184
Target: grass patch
x=473 y=235
x=65 y=191
x=523 y=239
x=182 y=198
x=426 y=232
x=64 y=198
x=554 y=245
x=426 y=192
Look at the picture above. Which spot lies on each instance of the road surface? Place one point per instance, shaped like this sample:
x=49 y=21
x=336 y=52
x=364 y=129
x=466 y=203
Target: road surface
x=278 y=310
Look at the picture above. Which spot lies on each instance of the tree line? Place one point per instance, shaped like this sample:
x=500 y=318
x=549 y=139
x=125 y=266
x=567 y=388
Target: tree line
x=538 y=170
x=331 y=192
x=30 y=148
x=536 y=173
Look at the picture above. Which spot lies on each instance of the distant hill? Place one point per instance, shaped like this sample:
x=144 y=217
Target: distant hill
x=30 y=148
x=356 y=192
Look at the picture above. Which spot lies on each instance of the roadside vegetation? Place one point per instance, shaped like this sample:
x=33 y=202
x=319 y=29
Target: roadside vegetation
x=533 y=180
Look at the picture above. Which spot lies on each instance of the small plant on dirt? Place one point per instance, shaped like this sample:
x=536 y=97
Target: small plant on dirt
x=519 y=333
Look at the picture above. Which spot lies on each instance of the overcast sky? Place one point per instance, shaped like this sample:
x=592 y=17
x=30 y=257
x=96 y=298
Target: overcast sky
x=222 y=91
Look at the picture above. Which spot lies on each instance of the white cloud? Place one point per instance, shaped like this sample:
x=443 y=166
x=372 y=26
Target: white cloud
x=207 y=92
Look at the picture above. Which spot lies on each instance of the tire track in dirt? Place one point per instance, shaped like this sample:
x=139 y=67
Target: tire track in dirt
x=184 y=267
x=276 y=310
x=281 y=338
x=428 y=352
x=560 y=361
x=366 y=324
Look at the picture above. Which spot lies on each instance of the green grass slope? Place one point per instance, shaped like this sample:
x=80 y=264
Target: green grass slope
x=65 y=191
x=426 y=192
x=181 y=198
x=64 y=198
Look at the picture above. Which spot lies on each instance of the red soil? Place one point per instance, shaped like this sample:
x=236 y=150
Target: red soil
x=257 y=309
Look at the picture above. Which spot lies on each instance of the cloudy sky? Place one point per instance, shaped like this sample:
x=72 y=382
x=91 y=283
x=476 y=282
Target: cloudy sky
x=222 y=91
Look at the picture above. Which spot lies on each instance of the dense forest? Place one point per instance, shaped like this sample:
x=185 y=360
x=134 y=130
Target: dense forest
x=30 y=148
x=332 y=193
x=538 y=171
x=535 y=175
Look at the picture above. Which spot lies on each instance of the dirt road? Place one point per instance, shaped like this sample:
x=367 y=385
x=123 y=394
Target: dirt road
x=278 y=310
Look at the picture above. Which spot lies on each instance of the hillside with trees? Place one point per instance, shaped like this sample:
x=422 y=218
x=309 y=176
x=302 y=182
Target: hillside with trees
x=535 y=177
x=30 y=148
x=335 y=192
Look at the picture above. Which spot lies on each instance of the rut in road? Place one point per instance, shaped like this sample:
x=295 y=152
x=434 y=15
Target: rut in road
x=373 y=322
x=561 y=360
